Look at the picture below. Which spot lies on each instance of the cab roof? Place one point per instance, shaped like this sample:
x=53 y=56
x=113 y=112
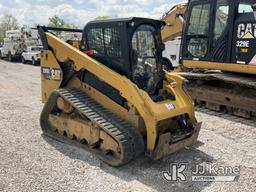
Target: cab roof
x=126 y=20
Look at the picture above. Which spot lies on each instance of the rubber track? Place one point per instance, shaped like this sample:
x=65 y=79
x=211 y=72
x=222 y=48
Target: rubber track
x=129 y=139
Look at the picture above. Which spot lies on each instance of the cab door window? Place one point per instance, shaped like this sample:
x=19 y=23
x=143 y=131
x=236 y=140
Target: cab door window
x=221 y=18
x=198 y=30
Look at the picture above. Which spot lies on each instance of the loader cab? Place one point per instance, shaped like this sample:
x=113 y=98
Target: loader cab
x=131 y=46
x=220 y=31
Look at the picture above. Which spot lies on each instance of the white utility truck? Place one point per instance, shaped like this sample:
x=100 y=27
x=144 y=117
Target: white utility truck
x=172 y=51
x=16 y=41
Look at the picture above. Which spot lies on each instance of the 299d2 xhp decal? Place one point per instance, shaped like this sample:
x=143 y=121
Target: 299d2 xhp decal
x=52 y=74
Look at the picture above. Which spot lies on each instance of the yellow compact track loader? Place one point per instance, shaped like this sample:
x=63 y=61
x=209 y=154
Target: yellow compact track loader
x=111 y=96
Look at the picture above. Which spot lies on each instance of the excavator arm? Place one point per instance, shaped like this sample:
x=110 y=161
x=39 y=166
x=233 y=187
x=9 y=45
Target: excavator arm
x=174 y=20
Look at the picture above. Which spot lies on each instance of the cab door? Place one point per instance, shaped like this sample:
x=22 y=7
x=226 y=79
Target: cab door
x=221 y=39
x=196 y=41
x=207 y=31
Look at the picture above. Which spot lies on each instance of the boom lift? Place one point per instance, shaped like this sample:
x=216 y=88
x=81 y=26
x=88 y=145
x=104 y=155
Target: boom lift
x=112 y=96
x=218 y=46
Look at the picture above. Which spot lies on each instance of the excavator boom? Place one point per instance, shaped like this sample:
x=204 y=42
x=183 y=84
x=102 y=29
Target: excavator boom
x=175 y=21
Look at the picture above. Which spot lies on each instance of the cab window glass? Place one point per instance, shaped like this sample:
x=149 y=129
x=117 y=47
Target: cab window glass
x=143 y=41
x=112 y=42
x=36 y=49
x=221 y=19
x=198 y=30
x=144 y=55
x=105 y=41
x=199 y=20
x=96 y=40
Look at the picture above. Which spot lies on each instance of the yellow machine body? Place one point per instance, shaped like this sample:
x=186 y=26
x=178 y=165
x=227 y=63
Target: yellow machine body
x=144 y=114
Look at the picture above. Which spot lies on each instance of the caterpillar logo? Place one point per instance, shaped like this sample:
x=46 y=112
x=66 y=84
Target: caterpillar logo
x=246 y=31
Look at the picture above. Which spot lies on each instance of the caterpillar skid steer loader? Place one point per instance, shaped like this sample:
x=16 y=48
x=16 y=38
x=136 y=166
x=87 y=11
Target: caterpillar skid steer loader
x=111 y=96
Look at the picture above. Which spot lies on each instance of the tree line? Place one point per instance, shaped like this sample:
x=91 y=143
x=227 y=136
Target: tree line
x=9 y=22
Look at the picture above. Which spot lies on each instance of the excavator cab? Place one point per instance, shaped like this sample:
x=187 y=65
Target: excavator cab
x=132 y=47
x=220 y=32
x=219 y=40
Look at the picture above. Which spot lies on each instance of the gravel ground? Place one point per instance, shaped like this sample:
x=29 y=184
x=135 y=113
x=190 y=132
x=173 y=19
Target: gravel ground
x=29 y=162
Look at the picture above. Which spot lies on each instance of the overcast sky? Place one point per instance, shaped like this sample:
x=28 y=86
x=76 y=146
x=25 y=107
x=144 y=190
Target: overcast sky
x=79 y=12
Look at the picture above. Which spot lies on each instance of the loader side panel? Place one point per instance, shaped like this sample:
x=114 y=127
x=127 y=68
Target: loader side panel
x=103 y=87
x=51 y=74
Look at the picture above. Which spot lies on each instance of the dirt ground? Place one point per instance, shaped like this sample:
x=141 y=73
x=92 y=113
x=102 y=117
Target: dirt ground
x=30 y=162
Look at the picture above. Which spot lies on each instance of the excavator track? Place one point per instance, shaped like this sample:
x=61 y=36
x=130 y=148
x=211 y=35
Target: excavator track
x=130 y=141
x=224 y=92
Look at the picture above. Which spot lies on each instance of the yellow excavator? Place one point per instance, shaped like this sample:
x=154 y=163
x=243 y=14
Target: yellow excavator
x=111 y=96
x=218 y=48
